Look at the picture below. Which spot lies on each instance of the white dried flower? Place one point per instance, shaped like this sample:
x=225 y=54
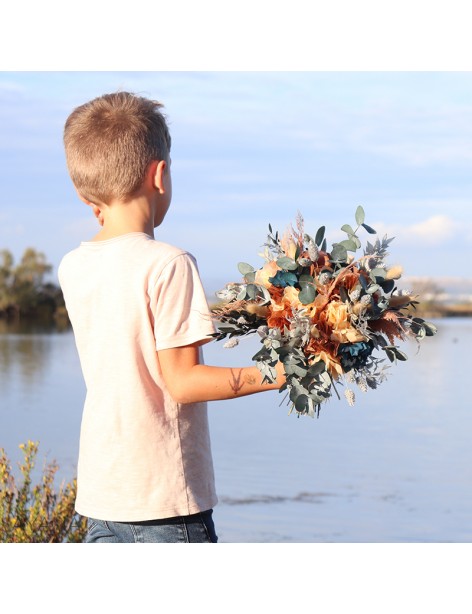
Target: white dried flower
x=304 y=261
x=362 y=384
x=350 y=396
x=350 y=377
x=231 y=343
x=312 y=249
x=324 y=278
x=355 y=294
x=229 y=292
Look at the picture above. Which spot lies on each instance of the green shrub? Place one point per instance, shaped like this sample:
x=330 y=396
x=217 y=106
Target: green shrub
x=36 y=513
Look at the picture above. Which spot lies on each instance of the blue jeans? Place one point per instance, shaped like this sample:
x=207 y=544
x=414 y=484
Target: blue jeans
x=196 y=528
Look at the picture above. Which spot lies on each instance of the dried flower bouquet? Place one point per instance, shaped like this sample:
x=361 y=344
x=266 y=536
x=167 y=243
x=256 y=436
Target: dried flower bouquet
x=323 y=314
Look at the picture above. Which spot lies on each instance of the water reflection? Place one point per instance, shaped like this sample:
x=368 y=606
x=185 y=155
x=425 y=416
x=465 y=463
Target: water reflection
x=42 y=392
x=395 y=467
x=25 y=353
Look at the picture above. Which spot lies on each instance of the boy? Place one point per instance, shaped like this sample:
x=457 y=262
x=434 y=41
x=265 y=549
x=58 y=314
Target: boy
x=140 y=317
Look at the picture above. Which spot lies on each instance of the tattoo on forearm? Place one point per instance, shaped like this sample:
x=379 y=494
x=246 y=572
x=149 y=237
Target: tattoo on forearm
x=236 y=383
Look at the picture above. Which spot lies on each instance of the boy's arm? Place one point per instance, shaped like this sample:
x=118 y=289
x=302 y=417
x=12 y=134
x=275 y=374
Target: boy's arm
x=188 y=381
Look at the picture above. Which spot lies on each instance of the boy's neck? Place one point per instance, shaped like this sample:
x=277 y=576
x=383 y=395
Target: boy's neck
x=144 y=212
x=121 y=218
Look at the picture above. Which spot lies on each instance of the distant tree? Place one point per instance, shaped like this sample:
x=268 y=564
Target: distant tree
x=6 y=279
x=28 y=279
x=23 y=289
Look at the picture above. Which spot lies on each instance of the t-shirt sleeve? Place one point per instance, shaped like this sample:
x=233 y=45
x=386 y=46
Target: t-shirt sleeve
x=179 y=305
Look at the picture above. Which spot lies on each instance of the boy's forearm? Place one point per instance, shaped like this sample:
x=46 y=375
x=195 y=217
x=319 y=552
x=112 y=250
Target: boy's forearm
x=207 y=383
x=188 y=381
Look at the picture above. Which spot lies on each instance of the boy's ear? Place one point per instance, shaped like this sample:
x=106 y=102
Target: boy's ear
x=97 y=213
x=157 y=170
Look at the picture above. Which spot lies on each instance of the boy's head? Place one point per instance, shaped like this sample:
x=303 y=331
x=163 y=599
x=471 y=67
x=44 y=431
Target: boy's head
x=110 y=142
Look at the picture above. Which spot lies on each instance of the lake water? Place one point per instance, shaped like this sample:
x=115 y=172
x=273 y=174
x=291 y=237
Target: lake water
x=396 y=467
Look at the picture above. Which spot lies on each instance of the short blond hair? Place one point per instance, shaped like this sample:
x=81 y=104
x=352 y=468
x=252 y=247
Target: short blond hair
x=110 y=142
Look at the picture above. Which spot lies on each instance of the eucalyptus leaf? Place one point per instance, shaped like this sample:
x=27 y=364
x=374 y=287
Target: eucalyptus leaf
x=288 y=366
x=301 y=403
x=325 y=379
x=265 y=294
x=227 y=329
x=378 y=274
x=288 y=264
x=320 y=236
x=349 y=244
x=360 y=215
x=338 y=253
x=242 y=294
x=250 y=277
x=267 y=371
x=388 y=285
x=418 y=320
x=323 y=246
x=251 y=290
x=390 y=354
x=316 y=368
x=274 y=356
x=299 y=371
x=400 y=355
x=305 y=279
x=430 y=329
x=369 y=229
x=421 y=333
x=348 y=229
x=245 y=268
x=261 y=355
x=307 y=294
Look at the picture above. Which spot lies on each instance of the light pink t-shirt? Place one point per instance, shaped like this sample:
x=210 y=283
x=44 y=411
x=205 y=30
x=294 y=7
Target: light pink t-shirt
x=142 y=455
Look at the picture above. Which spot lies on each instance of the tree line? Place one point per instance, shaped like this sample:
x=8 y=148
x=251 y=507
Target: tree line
x=24 y=290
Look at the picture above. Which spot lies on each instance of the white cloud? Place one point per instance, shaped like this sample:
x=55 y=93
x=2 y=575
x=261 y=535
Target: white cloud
x=433 y=231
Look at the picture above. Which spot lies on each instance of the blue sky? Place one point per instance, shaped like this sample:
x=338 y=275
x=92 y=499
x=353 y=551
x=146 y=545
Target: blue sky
x=253 y=148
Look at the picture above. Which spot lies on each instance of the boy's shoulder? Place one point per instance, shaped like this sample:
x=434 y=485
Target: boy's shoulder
x=138 y=248
x=154 y=251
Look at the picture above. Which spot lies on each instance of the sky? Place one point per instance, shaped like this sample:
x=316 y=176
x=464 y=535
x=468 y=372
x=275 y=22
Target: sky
x=253 y=148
